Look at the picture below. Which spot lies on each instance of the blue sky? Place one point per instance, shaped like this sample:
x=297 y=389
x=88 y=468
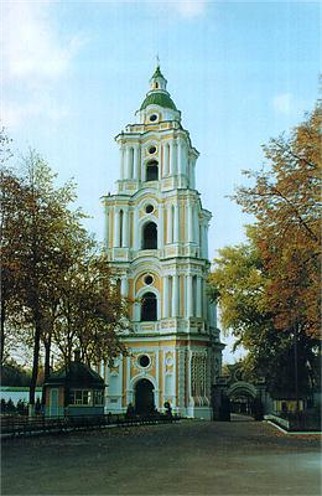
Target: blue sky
x=74 y=73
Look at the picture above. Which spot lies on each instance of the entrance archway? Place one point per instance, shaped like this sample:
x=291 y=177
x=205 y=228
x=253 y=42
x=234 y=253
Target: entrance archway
x=242 y=396
x=144 y=397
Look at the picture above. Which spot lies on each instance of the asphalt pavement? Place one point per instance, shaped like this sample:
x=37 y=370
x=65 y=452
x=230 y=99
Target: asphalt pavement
x=187 y=458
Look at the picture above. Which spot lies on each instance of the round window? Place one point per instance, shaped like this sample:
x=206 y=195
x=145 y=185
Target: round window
x=148 y=279
x=144 y=361
x=149 y=209
x=152 y=150
x=153 y=117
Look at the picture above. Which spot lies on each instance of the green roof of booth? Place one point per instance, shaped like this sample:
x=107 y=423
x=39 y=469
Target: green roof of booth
x=76 y=375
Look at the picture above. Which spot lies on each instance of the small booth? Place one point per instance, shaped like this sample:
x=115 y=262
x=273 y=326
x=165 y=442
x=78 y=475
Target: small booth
x=74 y=390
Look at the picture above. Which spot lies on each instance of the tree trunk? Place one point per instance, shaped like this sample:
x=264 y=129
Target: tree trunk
x=47 y=345
x=35 y=366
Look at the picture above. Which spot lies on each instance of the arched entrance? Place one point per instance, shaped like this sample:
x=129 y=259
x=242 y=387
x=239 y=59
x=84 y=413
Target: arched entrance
x=144 y=397
x=242 y=396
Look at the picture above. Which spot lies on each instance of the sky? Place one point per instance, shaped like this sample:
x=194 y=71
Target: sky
x=73 y=74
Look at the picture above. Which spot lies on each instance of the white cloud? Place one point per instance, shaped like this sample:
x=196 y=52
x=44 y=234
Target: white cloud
x=190 y=8
x=185 y=8
x=35 y=57
x=14 y=113
x=283 y=103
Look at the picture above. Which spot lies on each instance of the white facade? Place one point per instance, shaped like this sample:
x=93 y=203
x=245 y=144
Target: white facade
x=156 y=238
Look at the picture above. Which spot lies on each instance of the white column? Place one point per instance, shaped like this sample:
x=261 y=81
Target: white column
x=107 y=222
x=204 y=299
x=116 y=227
x=174 y=295
x=173 y=158
x=193 y=173
x=179 y=157
x=127 y=163
x=169 y=224
x=195 y=225
x=190 y=221
x=176 y=224
x=136 y=231
x=165 y=159
x=131 y=165
x=189 y=302
x=165 y=296
x=129 y=393
x=124 y=286
x=184 y=158
x=161 y=227
x=169 y=296
x=126 y=229
x=168 y=158
x=122 y=161
x=199 y=297
x=203 y=241
x=206 y=240
x=137 y=163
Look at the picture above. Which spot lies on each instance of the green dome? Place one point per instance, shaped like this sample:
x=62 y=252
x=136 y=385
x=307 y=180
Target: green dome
x=158 y=98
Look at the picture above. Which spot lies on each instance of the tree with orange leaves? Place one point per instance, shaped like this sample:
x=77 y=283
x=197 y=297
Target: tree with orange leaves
x=269 y=290
x=286 y=203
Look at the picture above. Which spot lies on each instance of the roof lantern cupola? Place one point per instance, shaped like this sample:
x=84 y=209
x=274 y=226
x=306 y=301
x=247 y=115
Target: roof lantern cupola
x=158 y=100
x=158 y=81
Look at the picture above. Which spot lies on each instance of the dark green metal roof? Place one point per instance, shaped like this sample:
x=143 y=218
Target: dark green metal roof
x=77 y=375
x=157 y=73
x=158 y=98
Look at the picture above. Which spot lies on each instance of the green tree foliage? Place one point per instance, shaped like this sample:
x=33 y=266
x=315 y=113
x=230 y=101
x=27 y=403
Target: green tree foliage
x=269 y=288
x=91 y=313
x=240 y=279
x=286 y=202
x=52 y=279
x=13 y=374
x=33 y=240
x=6 y=281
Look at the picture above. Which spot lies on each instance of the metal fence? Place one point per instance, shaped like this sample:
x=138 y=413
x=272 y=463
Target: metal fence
x=14 y=425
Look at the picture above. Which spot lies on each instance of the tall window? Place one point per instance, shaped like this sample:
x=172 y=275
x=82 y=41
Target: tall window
x=121 y=227
x=149 y=307
x=150 y=236
x=152 y=171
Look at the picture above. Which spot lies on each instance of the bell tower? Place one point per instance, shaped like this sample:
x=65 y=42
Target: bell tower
x=156 y=238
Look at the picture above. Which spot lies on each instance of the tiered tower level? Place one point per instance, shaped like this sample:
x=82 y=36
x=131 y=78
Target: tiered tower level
x=156 y=239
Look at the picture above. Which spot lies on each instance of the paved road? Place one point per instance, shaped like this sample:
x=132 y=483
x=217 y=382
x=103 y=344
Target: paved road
x=190 y=458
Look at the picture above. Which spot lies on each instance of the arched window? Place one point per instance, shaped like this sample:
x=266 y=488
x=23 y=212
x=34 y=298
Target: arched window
x=148 y=307
x=150 y=236
x=152 y=171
